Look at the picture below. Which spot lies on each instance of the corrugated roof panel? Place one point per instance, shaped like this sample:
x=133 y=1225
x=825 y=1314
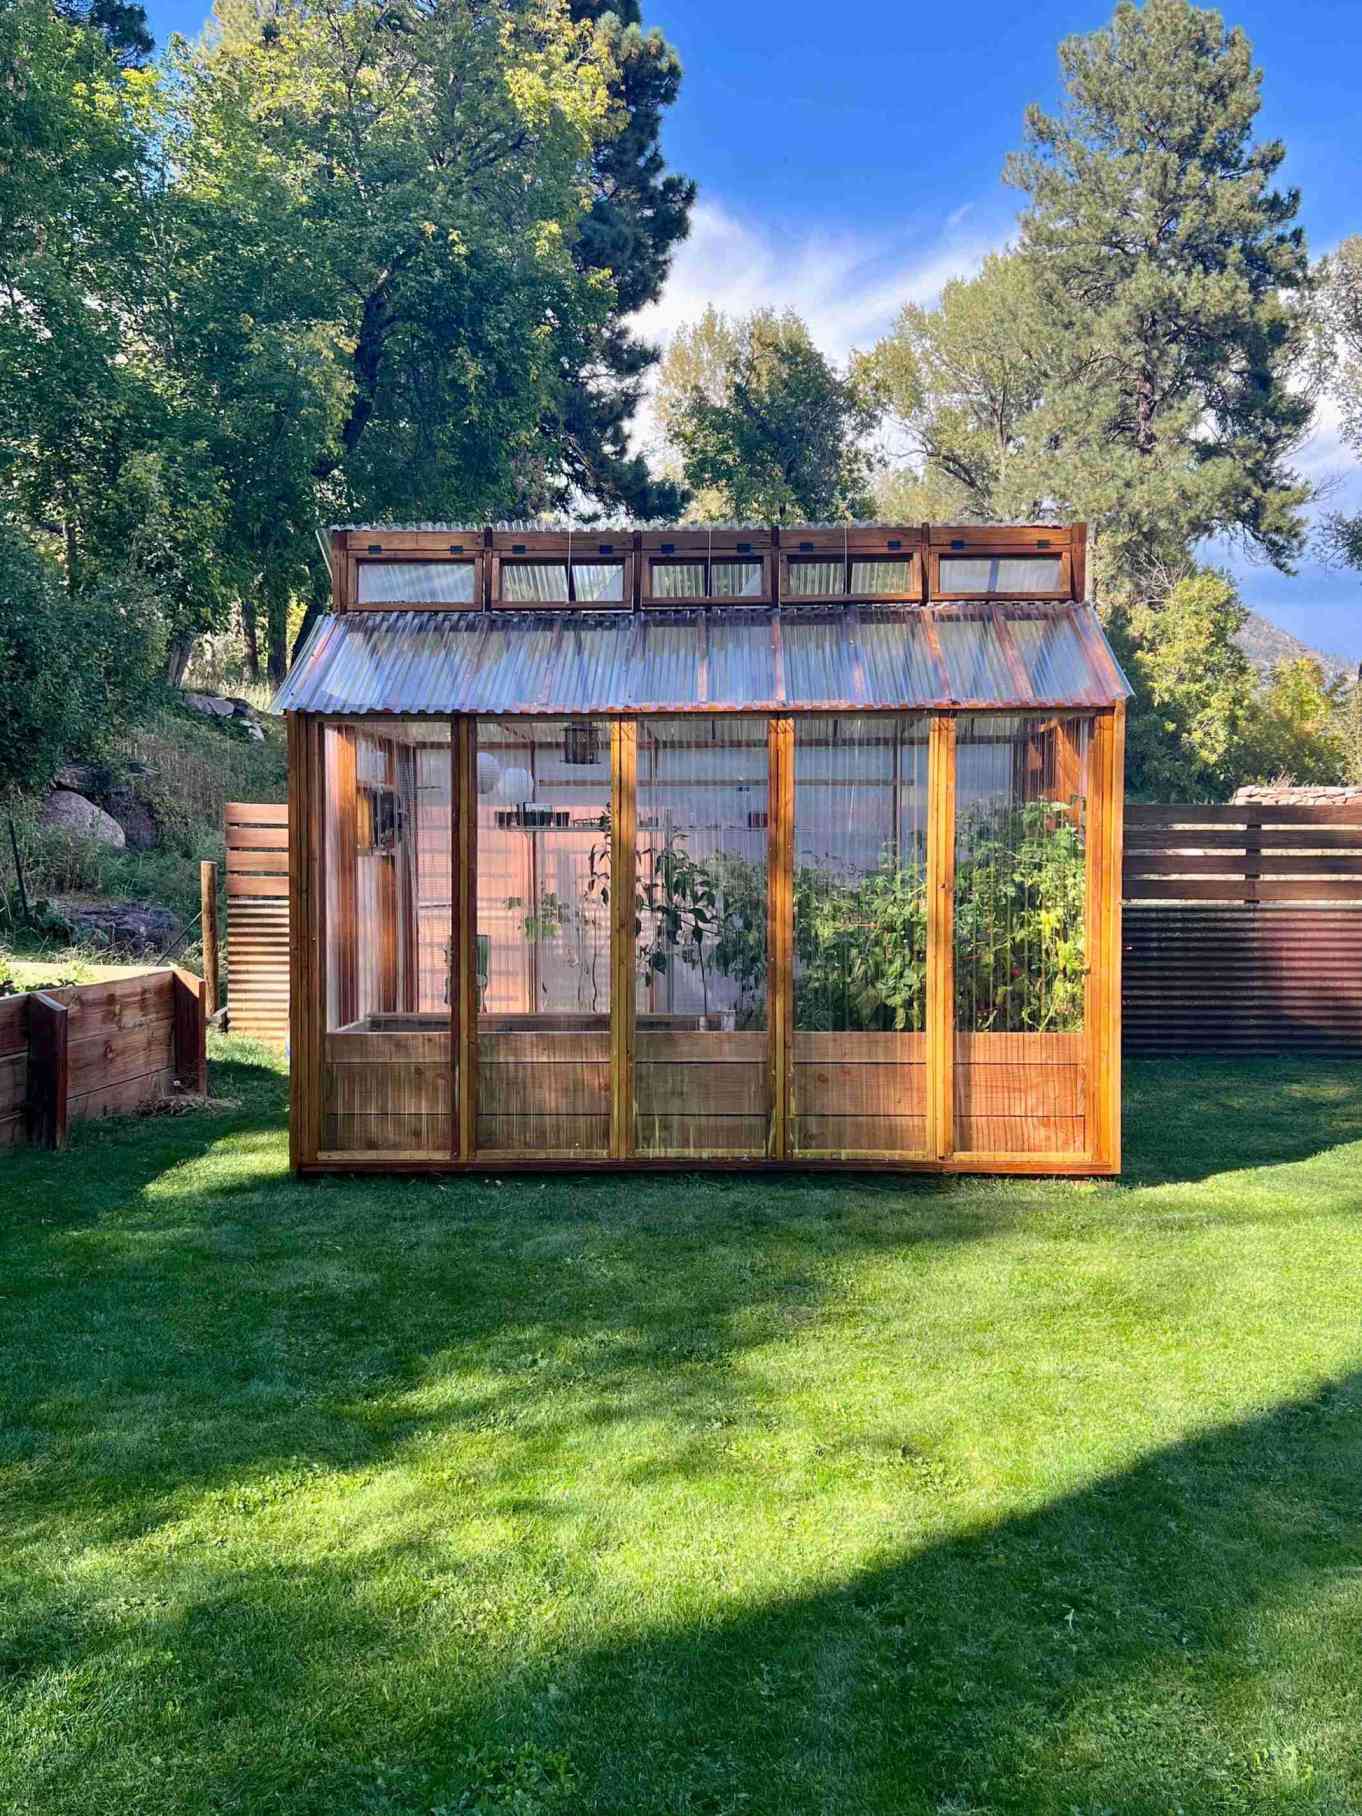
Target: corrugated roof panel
x=819 y=658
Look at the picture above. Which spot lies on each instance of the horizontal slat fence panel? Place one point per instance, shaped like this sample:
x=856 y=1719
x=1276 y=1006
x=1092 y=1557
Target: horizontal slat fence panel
x=1250 y=852
x=257 y=918
x=1234 y=978
x=103 y=1049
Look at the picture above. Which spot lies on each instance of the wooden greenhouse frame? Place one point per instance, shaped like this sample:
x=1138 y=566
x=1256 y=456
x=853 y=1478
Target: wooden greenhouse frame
x=599 y=868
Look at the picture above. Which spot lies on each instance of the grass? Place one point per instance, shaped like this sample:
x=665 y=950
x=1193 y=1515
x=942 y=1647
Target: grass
x=687 y=1495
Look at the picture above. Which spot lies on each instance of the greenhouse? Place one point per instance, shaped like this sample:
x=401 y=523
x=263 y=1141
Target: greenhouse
x=725 y=847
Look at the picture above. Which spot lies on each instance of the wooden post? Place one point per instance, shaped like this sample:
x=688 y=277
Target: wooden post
x=190 y=1024
x=464 y=1004
x=306 y=1008
x=623 y=912
x=941 y=938
x=47 y=1070
x=780 y=935
x=208 y=914
x=1102 y=1007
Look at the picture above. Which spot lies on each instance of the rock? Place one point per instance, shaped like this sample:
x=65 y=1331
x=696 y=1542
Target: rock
x=80 y=778
x=139 y=929
x=213 y=705
x=71 y=812
x=136 y=818
x=255 y=731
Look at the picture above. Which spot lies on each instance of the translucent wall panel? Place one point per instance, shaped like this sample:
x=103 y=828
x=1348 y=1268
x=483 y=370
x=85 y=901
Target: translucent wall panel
x=598 y=582
x=860 y=937
x=416 y=582
x=1007 y=574
x=880 y=577
x=534 y=582
x=1020 y=933
x=678 y=579
x=386 y=951
x=821 y=579
x=702 y=1074
x=543 y=936
x=736 y=579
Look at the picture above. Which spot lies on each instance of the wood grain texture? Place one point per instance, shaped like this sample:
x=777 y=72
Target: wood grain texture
x=780 y=932
x=940 y=936
x=623 y=862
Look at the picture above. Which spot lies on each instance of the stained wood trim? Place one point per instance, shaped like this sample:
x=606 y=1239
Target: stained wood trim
x=1107 y=1149
x=190 y=1030
x=48 y=1070
x=623 y=859
x=464 y=910
x=780 y=932
x=941 y=937
x=306 y=904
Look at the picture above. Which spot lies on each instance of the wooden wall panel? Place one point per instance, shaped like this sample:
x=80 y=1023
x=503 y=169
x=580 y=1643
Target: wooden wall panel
x=697 y=1092
x=860 y=1093
x=544 y=1092
x=387 y=1091
x=1248 y=853
x=1021 y=1093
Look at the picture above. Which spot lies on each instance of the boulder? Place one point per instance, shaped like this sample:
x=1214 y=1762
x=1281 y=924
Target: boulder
x=138 y=929
x=135 y=817
x=71 y=812
x=212 y=705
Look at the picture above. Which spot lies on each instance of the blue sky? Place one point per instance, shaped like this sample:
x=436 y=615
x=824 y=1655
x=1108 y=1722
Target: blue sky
x=848 y=158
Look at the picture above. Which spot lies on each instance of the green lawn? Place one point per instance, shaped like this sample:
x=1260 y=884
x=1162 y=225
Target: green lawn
x=687 y=1495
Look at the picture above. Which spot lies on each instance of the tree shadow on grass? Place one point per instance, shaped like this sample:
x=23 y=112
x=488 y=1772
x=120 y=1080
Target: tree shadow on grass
x=1179 y=1635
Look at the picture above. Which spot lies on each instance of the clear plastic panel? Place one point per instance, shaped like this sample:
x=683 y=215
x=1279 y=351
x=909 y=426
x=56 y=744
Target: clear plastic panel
x=598 y=582
x=736 y=579
x=701 y=1072
x=543 y=936
x=860 y=935
x=880 y=577
x=415 y=582
x=386 y=1080
x=1020 y=933
x=678 y=579
x=1010 y=575
x=534 y=582
x=817 y=579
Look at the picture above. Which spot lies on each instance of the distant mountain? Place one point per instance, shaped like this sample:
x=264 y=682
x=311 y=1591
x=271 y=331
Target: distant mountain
x=1265 y=645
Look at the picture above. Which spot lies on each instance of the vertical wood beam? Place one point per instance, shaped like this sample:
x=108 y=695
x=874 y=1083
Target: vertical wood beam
x=336 y=799
x=780 y=934
x=463 y=995
x=623 y=864
x=48 y=1070
x=941 y=937
x=1078 y=564
x=208 y=920
x=306 y=905
x=189 y=1031
x=1106 y=817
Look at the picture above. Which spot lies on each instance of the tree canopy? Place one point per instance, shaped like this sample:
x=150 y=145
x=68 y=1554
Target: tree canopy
x=763 y=426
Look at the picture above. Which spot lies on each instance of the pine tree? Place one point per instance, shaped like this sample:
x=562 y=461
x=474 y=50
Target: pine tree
x=1172 y=270
x=639 y=213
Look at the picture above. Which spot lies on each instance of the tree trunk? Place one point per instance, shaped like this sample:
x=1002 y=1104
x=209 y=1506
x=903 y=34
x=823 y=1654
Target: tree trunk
x=318 y=602
x=276 y=609
x=250 y=638
x=180 y=649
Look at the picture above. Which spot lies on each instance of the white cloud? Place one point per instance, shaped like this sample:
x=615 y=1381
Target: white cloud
x=848 y=289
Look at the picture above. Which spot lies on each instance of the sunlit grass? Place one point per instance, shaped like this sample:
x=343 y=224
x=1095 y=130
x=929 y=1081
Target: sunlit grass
x=686 y=1494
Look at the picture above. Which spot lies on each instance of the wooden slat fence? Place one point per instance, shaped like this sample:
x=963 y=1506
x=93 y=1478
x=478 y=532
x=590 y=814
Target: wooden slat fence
x=257 y=919
x=97 y=1050
x=1242 y=929
x=1249 y=853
